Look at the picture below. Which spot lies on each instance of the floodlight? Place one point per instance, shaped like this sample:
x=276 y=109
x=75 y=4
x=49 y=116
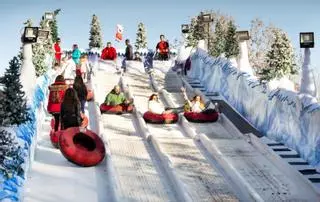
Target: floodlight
x=206 y=18
x=243 y=35
x=30 y=35
x=306 y=40
x=48 y=16
x=185 y=28
x=42 y=35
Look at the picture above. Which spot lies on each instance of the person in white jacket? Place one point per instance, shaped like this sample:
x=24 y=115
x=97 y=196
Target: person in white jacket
x=196 y=104
x=155 y=106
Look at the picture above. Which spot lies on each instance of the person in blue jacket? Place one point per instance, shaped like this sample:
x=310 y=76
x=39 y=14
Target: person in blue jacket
x=76 y=54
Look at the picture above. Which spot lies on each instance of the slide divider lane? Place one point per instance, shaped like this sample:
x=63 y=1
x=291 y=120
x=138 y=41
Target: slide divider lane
x=179 y=186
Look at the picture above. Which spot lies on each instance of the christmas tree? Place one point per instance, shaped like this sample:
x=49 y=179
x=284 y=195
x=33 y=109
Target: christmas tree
x=141 y=40
x=11 y=158
x=219 y=42
x=196 y=32
x=95 y=33
x=13 y=105
x=232 y=45
x=54 y=26
x=280 y=59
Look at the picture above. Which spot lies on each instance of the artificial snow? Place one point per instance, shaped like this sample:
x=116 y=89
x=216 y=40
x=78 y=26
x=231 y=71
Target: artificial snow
x=282 y=115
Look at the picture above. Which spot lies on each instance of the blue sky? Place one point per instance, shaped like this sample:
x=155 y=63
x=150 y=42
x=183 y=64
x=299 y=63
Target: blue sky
x=160 y=17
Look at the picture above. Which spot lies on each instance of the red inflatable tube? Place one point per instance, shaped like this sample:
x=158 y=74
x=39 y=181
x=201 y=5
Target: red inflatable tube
x=150 y=117
x=54 y=136
x=201 y=117
x=115 y=109
x=83 y=148
x=90 y=95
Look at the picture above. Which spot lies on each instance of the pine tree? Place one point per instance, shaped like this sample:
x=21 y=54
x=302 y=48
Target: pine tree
x=54 y=26
x=141 y=40
x=261 y=39
x=95 y=33
x=13 y=105
x=38 y=58
x=232 y=45
x=280 y=59
x=11 y=158
x=196 y=32
x=219 y=42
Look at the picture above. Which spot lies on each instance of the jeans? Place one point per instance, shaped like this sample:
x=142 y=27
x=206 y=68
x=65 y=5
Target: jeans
x=82 y=103
x=56 y=121
x=124 y=67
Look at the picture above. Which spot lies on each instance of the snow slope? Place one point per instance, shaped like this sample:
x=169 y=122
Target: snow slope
x=53 y=178
x=194 y=177
x=137 y=174
x=253 y=173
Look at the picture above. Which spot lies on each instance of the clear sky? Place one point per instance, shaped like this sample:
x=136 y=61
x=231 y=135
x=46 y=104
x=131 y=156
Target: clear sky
x=159 y=17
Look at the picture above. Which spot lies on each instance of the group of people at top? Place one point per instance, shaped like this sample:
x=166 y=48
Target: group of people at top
x=67 y=102
x=80 y=60
x=110 y=53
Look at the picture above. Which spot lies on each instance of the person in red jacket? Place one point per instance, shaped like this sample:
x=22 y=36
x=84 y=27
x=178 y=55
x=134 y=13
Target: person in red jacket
x=163 y=48
x=109 y=52
x=56 y=95
x=58 y=52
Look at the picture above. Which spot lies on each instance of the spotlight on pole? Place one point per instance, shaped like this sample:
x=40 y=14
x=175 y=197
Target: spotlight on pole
x=48 y=16
x=206 y=18
x=243 y=35
x=185 y=28
x=30 y=35
x=42 y=35
x=306 y=40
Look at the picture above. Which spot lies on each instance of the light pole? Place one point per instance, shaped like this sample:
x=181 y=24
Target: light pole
x=307 y=80
x=206 y=18
x=28 y=75
x=243 y=60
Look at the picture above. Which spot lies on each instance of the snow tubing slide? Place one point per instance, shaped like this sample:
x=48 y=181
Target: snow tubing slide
x=81 y=146
x=201 y=117
x=54 y=136
x=90 y=95
x=150 y=117
x=118 y=109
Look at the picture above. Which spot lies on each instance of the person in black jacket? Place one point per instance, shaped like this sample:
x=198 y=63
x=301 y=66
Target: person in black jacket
x=81 y=90
x=128 y=54
x=70 y=110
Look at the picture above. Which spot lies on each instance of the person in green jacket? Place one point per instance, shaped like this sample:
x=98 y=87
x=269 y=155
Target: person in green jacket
x=76 y=54
x=116 y=97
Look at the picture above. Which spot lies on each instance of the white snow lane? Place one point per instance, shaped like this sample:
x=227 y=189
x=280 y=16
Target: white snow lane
x=199 y=180
x=53 y=178
x=137 y=172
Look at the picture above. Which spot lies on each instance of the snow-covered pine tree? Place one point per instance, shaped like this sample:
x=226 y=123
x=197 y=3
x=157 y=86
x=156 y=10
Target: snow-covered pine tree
x=13 y=105
x=95 y=33
x=280 y=59
x=196 y=33
x=261 y=38
x=219 y=42
x=54 y=26
x=11 y=158
x=232 y=45
x=141 y=40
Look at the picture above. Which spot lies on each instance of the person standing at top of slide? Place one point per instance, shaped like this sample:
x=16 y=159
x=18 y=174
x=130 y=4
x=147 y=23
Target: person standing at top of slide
x=109 y=52
x=128 y=54
x=163 y=48
x=57 y=50
x=76 y=54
